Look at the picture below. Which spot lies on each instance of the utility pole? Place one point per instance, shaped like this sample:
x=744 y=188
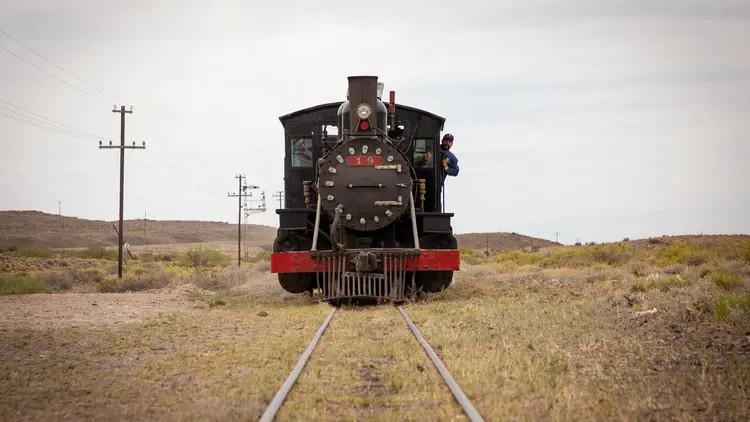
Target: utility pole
x=254 y=209
x=122 y=147
x=280 y=196
x=59 y=208
x=240 y=196
x=557 y=237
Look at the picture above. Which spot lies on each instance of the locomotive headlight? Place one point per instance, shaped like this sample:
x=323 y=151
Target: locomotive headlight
x=363 y=111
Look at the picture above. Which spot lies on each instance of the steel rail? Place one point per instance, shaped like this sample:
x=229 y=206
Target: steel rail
x=278 y=399
x=458 y=394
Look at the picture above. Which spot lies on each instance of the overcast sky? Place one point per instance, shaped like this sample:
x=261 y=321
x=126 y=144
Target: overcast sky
x=596 y=119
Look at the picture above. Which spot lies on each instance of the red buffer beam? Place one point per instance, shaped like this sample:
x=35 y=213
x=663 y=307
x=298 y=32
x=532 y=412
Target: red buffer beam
x=428 y=260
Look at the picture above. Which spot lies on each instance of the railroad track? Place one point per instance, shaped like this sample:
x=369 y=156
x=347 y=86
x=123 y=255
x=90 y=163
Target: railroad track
x=278 y=400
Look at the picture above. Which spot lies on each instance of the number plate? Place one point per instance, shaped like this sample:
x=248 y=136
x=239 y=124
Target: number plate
x=364 y=160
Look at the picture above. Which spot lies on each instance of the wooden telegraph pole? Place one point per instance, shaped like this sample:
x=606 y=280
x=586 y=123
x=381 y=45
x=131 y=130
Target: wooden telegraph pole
x=122 y=147
x=243 y=193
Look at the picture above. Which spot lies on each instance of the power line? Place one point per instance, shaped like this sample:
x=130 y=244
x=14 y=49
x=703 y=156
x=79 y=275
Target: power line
x=41 y=69
x=103 y=96
x=42 y=125
x=242 y=195
x=54 y=64
x=45 y=119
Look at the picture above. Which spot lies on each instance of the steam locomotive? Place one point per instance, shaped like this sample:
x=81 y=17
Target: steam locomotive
x=363 y=216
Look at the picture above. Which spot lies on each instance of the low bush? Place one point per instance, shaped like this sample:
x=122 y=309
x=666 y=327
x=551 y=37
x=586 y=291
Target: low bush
x=97 y=251
x=667 y=283
x=21 y=284
x=725 y=304
x=472 y=257
x=518 y=258
x=684 y=253
x=740 y=252
x=31 y=251
x=610 y=254
x=141 y=277
x=725 y=280
x=204 y=257
x=641 y=285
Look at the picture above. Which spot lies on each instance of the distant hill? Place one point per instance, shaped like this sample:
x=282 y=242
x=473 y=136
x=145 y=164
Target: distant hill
x=48 y=230
x=501 y=242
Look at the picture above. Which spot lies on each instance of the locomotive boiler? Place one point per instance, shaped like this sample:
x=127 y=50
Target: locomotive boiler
x=363 y=216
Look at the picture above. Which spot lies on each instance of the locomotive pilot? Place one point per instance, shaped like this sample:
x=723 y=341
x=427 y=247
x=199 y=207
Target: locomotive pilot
x=449 y=160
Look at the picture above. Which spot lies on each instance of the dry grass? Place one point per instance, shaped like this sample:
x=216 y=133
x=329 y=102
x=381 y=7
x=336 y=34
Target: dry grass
x=368 y=367
x=168 y=354
x=549 y=345
x=633 y=330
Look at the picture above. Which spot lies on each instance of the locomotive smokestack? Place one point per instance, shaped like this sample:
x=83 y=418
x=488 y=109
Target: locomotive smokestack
x=362 y=90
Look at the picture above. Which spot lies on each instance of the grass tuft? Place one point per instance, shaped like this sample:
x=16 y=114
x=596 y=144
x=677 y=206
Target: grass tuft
x=31 y=251
x=725 y=280
x=684 y=253
x=18 y=285
x=97 y=251
x=204 y=257
x=675 y=281
x=641 y=285
x=472 y=257
x=725 y=304
x=145 y=276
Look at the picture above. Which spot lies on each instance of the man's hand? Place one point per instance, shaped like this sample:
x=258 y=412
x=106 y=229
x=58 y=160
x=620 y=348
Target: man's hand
x=445 y=164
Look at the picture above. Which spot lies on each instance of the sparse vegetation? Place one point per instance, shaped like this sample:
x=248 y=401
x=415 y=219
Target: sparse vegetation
x=684 y=253
x=728 y=303
x=97 y=251
x=204 y=257
x=598 y=332
x=139 y=277
x=725 y=280
x=31 y=251
x=21 y=284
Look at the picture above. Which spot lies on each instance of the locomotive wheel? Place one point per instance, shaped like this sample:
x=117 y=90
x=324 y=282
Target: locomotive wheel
x=435 y=281
x=297 y=282
x=287 y=240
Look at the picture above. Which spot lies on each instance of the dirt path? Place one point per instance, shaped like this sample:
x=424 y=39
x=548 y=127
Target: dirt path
x=165 y=355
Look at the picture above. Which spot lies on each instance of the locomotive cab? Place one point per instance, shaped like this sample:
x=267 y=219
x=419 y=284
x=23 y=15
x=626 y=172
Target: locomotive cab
x=362 y=215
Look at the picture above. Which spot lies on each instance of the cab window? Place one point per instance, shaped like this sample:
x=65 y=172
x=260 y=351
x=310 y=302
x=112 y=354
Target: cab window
x=423 y=153
x=302 y=152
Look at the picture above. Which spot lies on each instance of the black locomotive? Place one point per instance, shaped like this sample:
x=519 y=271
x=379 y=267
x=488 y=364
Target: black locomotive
x=363 y=216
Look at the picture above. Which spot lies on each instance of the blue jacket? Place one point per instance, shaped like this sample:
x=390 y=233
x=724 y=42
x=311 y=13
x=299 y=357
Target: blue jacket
x=452 y=164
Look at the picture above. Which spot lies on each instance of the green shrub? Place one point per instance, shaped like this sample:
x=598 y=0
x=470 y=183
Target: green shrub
x=725 y=303
x=518 y=258
x=674 y=281
x=641 y=285
x=31 y=251
x=725 y=280
x=97 y=251
x=141 y=277
x=684 y=253
x=741 y=252
x=204 y=257
x=472 y=257
x=16 y=285
x=610 y=254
